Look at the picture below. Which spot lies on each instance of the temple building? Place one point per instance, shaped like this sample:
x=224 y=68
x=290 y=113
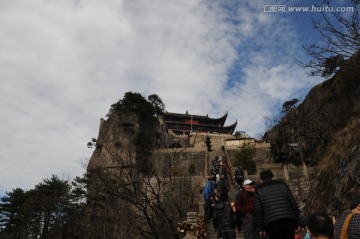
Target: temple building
x=181 y=124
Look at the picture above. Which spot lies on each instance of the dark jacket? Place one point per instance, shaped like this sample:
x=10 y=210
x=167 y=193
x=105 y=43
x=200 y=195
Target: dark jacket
x=227 y=218
x=219 y=208
x=273 y=201
x=239 y=174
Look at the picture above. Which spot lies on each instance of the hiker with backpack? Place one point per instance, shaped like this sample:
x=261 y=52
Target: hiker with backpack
x=218 y=209
x=239 y=176
x=223 y=186
x=228 y=222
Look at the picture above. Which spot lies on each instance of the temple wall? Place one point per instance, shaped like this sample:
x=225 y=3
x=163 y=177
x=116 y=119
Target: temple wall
x=181 y=162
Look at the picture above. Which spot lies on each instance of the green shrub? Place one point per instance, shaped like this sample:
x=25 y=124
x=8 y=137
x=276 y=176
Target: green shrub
x=244 y=158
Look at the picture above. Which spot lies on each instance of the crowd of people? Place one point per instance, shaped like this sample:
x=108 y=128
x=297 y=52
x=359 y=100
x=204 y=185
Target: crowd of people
x=269 y=210
x=217 y=202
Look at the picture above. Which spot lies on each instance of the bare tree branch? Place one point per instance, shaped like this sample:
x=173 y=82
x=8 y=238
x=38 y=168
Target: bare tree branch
x=340 y=33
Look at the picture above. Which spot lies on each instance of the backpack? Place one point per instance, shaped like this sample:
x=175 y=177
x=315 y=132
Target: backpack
x=219 y=205
x=239 y=174
x=227 y=217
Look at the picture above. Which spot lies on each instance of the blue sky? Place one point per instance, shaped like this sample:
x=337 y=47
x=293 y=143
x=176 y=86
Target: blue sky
x=64 y=62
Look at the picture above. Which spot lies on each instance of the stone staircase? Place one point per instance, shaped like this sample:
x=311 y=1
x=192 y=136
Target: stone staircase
x=294 y=176
x=210 y=233
x=217 y=151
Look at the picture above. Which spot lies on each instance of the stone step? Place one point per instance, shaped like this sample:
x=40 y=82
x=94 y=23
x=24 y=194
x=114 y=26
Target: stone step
x=295 y=183
x=210 y=233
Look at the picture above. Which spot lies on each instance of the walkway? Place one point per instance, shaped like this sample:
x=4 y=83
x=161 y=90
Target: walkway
x=217 y=151
x=299 y=181
x=210 y=233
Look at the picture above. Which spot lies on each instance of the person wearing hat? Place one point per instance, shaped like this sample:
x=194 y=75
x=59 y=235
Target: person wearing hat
x=245 y=207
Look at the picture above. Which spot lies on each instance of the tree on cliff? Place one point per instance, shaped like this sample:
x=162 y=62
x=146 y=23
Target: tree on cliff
x=289 y=105
x=157 y=103
x=135 y=103
x=341 y=39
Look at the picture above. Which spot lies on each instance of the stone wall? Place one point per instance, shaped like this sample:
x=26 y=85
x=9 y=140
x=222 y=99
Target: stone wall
x=298 y=178
x=189 y=162
x=195 y=162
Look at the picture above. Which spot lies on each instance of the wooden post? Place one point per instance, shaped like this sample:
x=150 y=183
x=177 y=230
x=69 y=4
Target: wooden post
x=286 y=173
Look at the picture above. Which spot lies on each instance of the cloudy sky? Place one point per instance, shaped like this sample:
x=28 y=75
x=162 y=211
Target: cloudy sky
x=64 y=62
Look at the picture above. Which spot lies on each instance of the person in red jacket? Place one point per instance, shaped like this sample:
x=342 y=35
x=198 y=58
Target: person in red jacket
x=245 y=206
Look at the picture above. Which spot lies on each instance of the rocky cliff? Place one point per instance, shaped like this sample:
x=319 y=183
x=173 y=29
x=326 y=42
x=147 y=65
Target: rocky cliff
x=125 y=138
x=325 y=128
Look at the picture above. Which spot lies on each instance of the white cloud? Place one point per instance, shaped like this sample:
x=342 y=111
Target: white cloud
x=63 y=63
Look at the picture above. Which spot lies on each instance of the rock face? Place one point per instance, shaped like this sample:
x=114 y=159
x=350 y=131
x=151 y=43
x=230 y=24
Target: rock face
x=338 y=180
x=124 y=137
x=326 y=128
x=112 y=133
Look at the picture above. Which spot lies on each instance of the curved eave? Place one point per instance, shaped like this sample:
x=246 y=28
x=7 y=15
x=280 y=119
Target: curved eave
x=221 y=119
x=231 y=128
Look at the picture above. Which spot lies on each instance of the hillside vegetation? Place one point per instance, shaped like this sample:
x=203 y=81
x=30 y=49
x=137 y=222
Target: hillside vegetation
x=325 y=127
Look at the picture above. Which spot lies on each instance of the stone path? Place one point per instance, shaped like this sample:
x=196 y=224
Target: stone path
x=210 y=233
